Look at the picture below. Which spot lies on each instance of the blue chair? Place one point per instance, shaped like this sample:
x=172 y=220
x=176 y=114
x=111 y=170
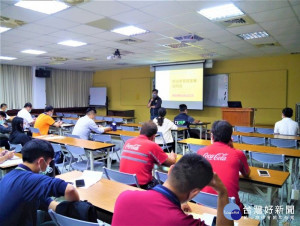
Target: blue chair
x=253 y=140
x=67 y=115
x=244 y=129
x=118 y=120
x=164 y=145
x=106 y=139
x=195 y=147
x=266 y=158
x=61 y=220
x=68 y=121
x=124 y=178
x=108 y=119
x=73 y=116
x=34 y=130
x=127 y=128
x=77 y=161
x=125 y=138
x=235 y=138
x=264 y=130
x=282 y=143
x=161 y=177
x=99 y=117
x=209 y=200
x=66 y=159
x=71 y=135
x=59 y=114
x=18 y=147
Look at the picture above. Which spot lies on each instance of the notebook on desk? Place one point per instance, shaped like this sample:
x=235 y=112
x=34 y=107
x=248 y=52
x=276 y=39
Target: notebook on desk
x=234 y=104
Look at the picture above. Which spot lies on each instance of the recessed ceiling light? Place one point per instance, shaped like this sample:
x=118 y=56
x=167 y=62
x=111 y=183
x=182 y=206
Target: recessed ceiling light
x=221 y=12
x=32 y=51
x=72 y=43
x=7 y=58
x=253 y=35
x=129 y=30
x=3 y=29
x=47 y=7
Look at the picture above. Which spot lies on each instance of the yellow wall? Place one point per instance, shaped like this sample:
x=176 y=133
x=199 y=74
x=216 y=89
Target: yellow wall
x=112 y=79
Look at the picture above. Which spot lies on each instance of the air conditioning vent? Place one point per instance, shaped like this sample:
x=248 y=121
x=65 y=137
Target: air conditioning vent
x=271 y=44
x=236 y=21
x=189 y=38
x=10 y=23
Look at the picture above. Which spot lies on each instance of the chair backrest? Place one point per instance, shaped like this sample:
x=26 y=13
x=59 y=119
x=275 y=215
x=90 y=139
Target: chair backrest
x=125 y=138
x=71 y=135
x=161 y=177
x=264 y=130
x=127 y=128
x=75 y=151
x=59 y=114
x=102 y=138
x=63 y=220
x=34 y=130
x=124 y=178
x=67 y=115
x=99 y=117
x=56 y=147
x=253 y=140
x=108 y=119
x=195 y=147
x=69 y=121
x=118 y=120
x=18 y=147
x=73 y=116
x=210 y=200
x=245 y=129
x=235 y=138
x=266 y=158
x=282 y=143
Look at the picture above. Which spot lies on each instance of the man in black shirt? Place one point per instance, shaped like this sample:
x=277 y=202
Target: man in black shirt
x=154 y=104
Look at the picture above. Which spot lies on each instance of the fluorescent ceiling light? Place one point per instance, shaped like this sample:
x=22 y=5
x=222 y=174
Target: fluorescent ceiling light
x=7 y=58
x=72 y=43
x=129 y=30
x=3 y=29
x=253 y=35
x=32 y=51
x=221 y=12
x=47 y=7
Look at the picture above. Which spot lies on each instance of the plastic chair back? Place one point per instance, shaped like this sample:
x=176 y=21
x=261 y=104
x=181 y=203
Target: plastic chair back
x=69 y=121
x=210 y=200
x=266 y=158
x=245 y=129
x=56 y=147
x=124 y=178
x=161 y=177
x=18 y=147
x=127 y=128
x=125 y=138
x=253 y=140
x=34 y=130
x=235 y=138
x=195 y=147
x=73 y=116
x=283 y=143
x=102 y=138
x=59 y=114
x=264 y=130
x=108 y=119
x=99 y=117
x=67 y=115
x=118 y=120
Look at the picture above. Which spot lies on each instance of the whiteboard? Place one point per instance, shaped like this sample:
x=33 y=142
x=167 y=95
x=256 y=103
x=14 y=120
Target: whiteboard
x=97 y=96
x=216 y=90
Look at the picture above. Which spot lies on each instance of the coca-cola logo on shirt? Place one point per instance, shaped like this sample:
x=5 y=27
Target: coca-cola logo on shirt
x=129 y=146
x=217 y=157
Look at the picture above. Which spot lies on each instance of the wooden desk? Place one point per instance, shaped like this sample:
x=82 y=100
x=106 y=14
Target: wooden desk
x=88 y=145
x=123 y=132
x=137 y=125
x=104 y=194
x=277 y=136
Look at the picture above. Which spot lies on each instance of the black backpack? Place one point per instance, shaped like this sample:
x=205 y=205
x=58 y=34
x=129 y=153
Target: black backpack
x=80 y=210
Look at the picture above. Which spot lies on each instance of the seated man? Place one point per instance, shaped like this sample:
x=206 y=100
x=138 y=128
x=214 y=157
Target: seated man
x=24 y=190
x=286 y=125
x=45 y=120
x=4 y=108
x=25 y=114
x=140 y=153
x=86 y=124
x=164 y=205
x=183 y=119
x=226 y=161
x=4 y=131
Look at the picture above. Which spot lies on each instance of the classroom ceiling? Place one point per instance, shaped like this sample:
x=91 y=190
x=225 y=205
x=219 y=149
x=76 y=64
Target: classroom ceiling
x=91 y=22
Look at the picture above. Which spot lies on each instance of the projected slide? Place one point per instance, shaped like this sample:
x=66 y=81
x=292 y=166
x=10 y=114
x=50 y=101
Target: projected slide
x=180 y=85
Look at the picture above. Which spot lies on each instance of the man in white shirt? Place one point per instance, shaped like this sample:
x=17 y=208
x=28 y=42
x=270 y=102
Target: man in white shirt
x=286 y=126
x=86 y=124
x=25 y=114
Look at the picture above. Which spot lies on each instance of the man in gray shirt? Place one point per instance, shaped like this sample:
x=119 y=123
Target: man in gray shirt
x=86 y=124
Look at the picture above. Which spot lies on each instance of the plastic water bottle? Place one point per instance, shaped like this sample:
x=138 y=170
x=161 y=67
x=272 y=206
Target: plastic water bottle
x=114 y=126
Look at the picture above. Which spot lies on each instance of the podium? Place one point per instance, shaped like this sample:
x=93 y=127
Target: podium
x=239 y=116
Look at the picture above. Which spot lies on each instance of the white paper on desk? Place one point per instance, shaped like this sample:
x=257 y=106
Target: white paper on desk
x=67 y=124
x=207 y=218
x=14 y=161
x=90 y=178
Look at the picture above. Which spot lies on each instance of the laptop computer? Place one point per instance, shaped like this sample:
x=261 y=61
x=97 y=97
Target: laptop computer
x=234 y=104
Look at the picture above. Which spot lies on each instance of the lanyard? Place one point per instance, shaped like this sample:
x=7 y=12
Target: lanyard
x=167 y=193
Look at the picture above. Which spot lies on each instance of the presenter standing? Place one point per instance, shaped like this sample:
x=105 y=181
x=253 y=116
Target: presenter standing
x=154 y=104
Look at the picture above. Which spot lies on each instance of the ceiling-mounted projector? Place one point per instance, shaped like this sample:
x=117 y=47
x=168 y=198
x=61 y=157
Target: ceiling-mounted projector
x=115 y=55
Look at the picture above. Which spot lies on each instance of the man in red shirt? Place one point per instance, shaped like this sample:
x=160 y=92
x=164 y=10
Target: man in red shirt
x=140 y=153
x=226 y=161
x=164 y=205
